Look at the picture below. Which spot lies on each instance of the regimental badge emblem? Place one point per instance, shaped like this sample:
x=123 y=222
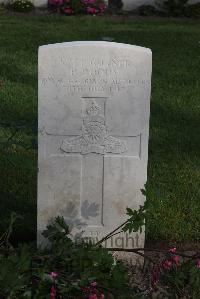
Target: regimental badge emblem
x=95 y=137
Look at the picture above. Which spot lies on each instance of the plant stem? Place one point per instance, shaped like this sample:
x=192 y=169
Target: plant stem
x=135 y=250
x=110 y=234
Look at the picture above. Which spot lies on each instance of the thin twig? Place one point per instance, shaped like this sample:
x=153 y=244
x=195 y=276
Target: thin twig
x=132 y=251
x=121 y=231
x=108 y=236
x=153 y=250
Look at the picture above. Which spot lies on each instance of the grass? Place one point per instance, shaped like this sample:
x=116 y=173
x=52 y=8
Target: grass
x=174 y=145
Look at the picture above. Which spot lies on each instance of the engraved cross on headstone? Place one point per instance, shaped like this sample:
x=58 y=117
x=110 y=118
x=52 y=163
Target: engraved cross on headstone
x=93 y=143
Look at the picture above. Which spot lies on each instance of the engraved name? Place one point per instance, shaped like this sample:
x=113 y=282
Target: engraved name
x=114 y=62
x=95 y=74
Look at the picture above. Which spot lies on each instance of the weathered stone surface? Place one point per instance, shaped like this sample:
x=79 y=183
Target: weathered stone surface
x=94 y=103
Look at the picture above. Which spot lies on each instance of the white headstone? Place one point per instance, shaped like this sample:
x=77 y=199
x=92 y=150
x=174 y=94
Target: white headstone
x=94 y=105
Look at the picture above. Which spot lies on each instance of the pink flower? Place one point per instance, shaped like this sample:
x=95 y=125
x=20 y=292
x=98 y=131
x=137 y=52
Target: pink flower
x=155 y=275
x=92 y=296
x=53 y=293
x=93 y=284
x=56 y=2
x=172 y=250
x=54 y=275
x=102 y=7
x=68 y=10
x=91 y=10
x=176 y=259
x=89 y=1
x=85 y=289
x=102 y=296
x=167 y=264
x=198 y=263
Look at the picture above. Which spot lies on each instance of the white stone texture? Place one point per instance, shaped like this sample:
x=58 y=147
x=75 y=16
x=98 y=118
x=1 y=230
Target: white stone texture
x=94 y=106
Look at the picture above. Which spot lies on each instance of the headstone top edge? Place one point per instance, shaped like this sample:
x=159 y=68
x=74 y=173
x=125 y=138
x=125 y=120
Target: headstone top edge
x=95 y=43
